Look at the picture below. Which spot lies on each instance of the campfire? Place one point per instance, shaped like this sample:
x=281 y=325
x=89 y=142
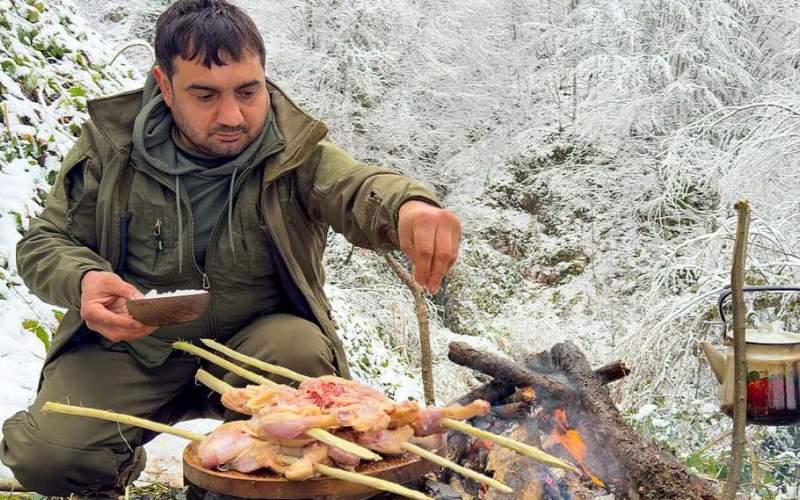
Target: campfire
x=555 y=401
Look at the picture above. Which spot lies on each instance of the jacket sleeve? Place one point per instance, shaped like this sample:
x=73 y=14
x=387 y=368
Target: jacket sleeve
x=57 y=250
x=359 y=201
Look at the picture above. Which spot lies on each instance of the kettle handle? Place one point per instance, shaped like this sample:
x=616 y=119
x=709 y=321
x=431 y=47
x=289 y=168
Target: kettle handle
x=726 y=292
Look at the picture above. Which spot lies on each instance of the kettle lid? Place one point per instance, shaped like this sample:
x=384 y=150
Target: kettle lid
x=768 y=334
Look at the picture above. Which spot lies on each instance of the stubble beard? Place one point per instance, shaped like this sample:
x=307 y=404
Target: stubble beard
x=205 y=143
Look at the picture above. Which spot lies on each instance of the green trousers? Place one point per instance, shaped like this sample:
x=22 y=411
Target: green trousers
x=55 y=454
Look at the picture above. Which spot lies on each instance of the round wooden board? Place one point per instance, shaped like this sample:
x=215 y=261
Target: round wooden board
x=265 y=484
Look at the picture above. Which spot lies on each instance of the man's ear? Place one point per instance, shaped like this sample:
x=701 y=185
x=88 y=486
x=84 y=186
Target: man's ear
x=164 y=84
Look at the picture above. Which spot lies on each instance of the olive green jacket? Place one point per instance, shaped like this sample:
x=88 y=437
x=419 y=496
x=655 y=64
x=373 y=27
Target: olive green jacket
x=282 y=208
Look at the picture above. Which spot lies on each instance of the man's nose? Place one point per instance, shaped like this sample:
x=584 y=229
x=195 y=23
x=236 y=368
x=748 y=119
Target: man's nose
x=229 y=113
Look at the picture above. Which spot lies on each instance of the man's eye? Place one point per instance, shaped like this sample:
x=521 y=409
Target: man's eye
x=247 y=94
x=205 y=97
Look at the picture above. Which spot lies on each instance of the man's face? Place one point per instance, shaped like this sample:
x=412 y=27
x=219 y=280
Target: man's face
x=219 y=110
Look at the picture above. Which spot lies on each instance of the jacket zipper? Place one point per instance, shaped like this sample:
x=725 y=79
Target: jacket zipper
x=159 y=244
x=205 y=281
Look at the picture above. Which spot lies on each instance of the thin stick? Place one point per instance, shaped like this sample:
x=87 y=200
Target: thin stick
x=333 y=472
x=223 y=363
x=220 y=386
x=120 y=418
x=739 y=346
x=421 y=304
x=373 y=482
x=438 y=460
x=521 y=448
x=262 y=365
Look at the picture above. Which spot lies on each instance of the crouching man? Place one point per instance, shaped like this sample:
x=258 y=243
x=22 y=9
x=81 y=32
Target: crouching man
x=209 y=177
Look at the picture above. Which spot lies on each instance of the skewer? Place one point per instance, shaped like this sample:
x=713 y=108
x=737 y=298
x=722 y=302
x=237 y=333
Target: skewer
x=449 y=423
x=320 y=435
x=120 y=418
x=353 y=477
x=220 y=386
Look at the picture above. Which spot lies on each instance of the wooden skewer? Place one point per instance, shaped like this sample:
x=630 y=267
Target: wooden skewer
x=120 y=418
x=512 y=444
x=319 y=434
x=378 y=484
x=353 y=477
x=262 y=365
x=220 y=387
x=449 y=423
x=223 y=363
x=439 y=460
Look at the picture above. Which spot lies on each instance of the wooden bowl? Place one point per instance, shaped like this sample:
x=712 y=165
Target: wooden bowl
x=170 y=309
x=267 y=485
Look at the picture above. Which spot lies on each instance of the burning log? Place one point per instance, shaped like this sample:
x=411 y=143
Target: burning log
x=583 y=426
x=506 y=371
x=652 y=472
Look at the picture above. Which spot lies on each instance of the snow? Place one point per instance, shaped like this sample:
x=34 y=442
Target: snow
x=176 y=293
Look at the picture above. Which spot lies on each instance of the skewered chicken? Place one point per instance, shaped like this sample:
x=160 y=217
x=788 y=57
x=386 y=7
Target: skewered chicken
x=281 y=415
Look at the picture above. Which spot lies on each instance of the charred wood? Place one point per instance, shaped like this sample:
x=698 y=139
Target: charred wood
x=612 y=372
x=653 y=473
x=506 y=371
x=494 y=392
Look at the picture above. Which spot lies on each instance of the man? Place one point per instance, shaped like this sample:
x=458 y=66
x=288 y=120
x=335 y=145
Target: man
x=209 y=177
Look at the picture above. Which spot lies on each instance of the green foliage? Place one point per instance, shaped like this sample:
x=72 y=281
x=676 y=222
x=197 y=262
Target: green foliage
x=40 y=331
x=77 y=91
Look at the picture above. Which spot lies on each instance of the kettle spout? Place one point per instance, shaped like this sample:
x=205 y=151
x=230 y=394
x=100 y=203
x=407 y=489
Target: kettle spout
x=716 y=359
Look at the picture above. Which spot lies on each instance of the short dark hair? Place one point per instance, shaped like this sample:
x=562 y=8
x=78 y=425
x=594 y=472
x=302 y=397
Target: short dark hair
x=208 y=29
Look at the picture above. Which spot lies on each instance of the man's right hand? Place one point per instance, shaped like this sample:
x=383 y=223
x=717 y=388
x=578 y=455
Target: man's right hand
x=103 y=307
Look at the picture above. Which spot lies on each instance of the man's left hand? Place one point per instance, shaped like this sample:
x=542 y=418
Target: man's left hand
x=430 y=236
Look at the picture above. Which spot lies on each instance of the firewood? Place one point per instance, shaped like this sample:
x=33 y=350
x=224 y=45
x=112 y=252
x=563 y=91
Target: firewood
x=507 y=371
x=494 y=392
x=612 y=372
x=654 y=474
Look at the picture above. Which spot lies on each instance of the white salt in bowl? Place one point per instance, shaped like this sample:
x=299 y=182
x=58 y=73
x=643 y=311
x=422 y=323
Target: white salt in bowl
x=158 y=309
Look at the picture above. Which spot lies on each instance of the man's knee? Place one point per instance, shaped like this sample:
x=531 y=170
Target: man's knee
x=289 y=341
x=49 y=467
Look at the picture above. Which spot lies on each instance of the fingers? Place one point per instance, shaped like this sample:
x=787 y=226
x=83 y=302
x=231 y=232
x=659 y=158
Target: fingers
x=431 y=238
x=423 y=257
x=117 y=286
x=103 y=307
x=113 y=326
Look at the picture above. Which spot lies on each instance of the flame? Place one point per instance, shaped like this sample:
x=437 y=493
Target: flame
x=571 y=440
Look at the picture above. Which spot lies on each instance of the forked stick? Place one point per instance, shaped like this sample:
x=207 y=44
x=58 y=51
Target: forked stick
x=220 y=387
x=353 y=477
x=519 y=447
x=318 y=434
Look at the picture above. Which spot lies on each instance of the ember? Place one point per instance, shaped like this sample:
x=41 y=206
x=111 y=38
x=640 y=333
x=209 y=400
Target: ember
x=571 y=440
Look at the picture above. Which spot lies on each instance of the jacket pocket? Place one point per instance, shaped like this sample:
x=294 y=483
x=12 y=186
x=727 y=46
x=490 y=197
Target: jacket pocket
x=152 y=247
x=80 y=192
x=254 y=255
